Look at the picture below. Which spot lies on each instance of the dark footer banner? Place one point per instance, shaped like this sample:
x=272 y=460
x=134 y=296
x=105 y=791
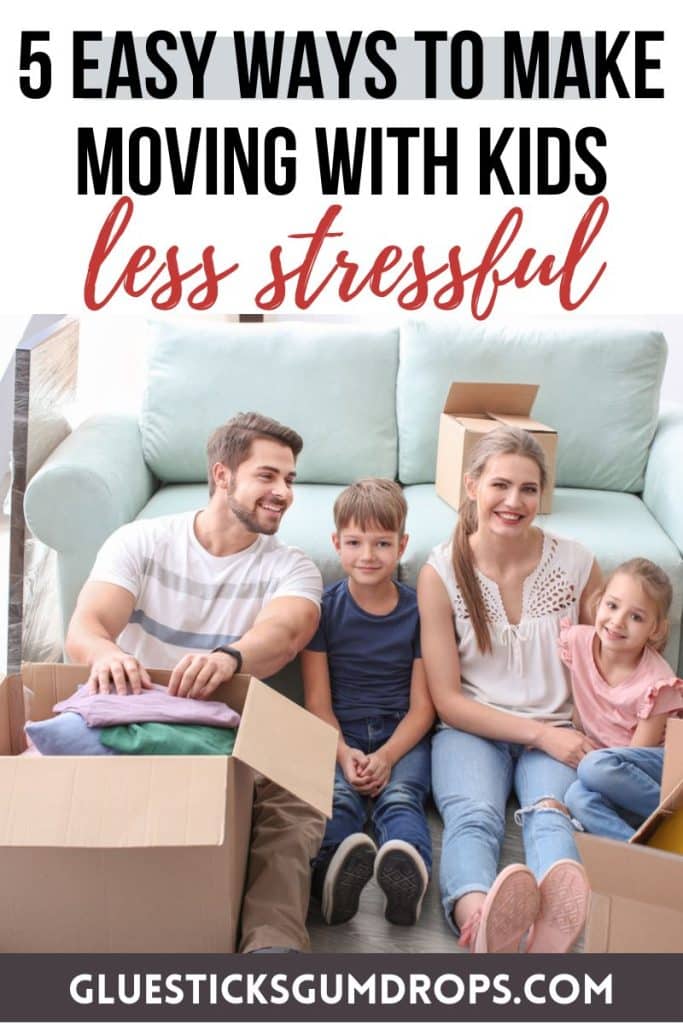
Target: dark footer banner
x=341 y=988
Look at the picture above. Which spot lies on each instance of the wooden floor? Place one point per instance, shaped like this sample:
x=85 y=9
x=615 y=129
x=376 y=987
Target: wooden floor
x=369 y=932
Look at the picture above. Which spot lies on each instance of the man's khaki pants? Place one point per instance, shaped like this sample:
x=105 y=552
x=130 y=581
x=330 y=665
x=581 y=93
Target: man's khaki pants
x=285 y=834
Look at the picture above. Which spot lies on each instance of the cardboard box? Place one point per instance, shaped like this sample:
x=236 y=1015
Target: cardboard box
x=140 y=854
x=637 y=900
x=473 y=409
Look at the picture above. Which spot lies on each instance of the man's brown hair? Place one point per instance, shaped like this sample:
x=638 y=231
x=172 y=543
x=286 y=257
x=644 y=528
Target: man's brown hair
x=372 y=502
x=231 y=443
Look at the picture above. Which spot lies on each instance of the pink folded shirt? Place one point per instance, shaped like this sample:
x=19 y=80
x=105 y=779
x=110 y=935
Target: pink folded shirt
x=155 y=705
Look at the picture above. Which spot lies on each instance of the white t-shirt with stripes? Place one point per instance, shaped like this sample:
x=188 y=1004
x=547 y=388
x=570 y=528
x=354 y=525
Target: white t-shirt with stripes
x=189 y=601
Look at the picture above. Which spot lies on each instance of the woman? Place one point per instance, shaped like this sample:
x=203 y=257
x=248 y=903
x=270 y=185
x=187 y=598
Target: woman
x=504 y=703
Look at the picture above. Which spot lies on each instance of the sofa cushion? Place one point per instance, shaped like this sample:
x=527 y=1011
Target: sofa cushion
x=336 y=386
x=613 y=526
x=599 y=387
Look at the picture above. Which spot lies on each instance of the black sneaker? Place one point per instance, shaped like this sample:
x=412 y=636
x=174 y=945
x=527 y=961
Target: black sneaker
x=402 y=876
x=349 y=870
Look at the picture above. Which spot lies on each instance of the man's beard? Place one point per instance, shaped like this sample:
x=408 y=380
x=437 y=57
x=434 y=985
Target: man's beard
x=248 y=518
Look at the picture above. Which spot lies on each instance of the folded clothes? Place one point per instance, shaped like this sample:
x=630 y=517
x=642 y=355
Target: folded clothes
x=66 y=734
x=155 y=705
x=159 y=738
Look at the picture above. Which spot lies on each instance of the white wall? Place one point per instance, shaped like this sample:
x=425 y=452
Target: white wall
x=672 y=387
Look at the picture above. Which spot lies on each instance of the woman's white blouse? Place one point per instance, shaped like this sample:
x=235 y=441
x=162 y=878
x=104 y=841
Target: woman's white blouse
x=523 y=674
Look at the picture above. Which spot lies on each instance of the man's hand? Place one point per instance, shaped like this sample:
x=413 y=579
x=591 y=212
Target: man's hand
x=375 y=774
x=198 y=675
x=123 y=670
x=352 y=761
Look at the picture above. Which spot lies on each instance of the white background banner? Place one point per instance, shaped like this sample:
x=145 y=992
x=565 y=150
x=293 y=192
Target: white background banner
x=617 y=155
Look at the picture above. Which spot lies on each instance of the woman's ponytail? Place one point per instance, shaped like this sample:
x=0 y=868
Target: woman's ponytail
x=500 y=441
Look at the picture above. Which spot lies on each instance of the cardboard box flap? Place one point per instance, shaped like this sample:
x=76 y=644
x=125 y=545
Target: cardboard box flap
x=474 y=397
x=6 y=746
x=111 y=802
x=672 y=772
x=671 y=790
x=613 y=866
x=13 y=740
x=288 y=745
x=671 y=802
x=476 y=424
x=523 y=422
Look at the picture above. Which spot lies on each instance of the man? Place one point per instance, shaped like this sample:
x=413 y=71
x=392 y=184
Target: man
x=208 y=594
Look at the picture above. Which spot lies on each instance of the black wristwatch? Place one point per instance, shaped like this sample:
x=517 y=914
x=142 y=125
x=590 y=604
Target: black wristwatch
x=233 y=652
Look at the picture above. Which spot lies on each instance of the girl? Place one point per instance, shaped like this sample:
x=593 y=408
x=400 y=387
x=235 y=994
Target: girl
x=504 y=703
x=623 y=692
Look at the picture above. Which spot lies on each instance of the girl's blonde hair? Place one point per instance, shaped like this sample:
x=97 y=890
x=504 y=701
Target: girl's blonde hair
x=656 y=585
x=501 y=441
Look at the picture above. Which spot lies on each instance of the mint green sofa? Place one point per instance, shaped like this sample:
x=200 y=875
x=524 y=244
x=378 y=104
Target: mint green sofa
x=367 y=402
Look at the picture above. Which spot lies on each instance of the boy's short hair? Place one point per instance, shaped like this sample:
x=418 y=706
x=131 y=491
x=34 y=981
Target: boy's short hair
x=231 y=443
x=372 y=502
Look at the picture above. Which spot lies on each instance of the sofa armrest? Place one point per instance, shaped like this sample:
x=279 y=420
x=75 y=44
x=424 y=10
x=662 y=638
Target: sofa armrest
x=94 y=482
x=663 y=491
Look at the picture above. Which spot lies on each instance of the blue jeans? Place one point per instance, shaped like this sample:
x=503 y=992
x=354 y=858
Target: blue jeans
x=399 y=810
x=472 y=779
x=616 y=790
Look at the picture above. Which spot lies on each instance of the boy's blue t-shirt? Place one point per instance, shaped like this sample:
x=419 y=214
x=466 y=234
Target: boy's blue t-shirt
x=370 y=657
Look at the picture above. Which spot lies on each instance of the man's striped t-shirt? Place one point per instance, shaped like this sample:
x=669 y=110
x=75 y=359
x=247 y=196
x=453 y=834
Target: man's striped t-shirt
x=189 y=601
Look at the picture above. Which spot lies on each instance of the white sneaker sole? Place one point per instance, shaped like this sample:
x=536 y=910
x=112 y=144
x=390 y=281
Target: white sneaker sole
x=350 y=869
x=402 y=876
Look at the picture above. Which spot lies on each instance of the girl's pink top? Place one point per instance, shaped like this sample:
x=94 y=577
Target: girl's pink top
x=609 y=714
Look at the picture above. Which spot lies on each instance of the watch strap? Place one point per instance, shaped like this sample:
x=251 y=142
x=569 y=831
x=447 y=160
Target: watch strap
x=233 y=652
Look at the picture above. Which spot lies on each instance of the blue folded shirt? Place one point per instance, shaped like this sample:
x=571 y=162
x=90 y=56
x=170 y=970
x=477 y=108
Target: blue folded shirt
x=66 y=734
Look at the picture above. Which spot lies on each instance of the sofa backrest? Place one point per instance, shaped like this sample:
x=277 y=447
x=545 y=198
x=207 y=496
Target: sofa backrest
x=335 y=385
x=599 y=387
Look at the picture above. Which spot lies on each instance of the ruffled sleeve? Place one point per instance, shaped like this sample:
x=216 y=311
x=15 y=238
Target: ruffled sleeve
x=565 y=641
x=662 y=698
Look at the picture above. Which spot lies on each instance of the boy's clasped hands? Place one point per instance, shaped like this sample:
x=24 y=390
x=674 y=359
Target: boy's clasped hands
x=367 y=773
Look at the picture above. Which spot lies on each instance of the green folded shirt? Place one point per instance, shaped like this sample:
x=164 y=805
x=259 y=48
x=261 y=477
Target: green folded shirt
x=162 y=738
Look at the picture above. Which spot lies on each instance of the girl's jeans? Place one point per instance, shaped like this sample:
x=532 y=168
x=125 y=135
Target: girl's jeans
x=399 y=810
x=616 y=790
x=472 y=779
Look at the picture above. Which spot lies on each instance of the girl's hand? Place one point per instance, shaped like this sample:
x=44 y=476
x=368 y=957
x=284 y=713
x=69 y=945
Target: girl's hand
x=352 y=762
x=375 y=774
x=564 y=744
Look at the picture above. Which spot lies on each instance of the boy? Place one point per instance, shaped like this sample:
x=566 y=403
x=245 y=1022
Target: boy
x=363 y=674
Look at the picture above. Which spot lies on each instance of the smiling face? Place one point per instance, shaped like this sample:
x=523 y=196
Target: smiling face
x=370 y=556
x=259 y=491
x=626 y=619
x=507 y=494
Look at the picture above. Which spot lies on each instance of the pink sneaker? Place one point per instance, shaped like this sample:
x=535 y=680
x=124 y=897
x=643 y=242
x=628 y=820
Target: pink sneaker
x=510 y=909
x=565 y=894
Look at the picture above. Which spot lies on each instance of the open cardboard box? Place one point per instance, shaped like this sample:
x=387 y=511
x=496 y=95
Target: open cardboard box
x=637 y=898
x=140 y=854
x=473 y=409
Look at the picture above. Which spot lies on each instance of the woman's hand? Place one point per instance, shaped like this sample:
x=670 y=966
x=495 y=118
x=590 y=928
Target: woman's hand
x=565 y=744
